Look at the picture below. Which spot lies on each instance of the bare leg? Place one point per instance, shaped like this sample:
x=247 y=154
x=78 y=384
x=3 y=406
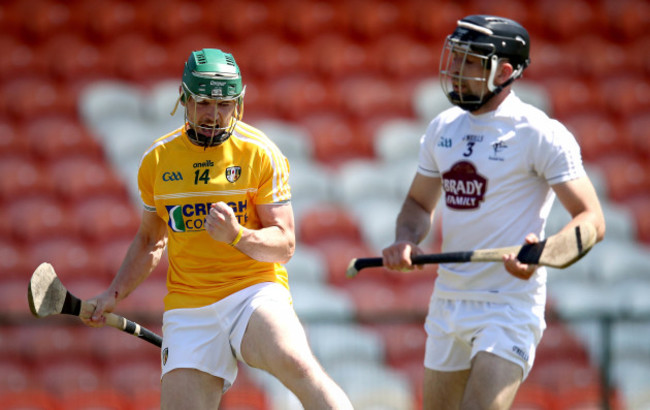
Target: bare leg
x=492 y=384
x=275 y=341
x=190 y=389
x=443 y=390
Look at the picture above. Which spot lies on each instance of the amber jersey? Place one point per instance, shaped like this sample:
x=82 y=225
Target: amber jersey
x=179 y=181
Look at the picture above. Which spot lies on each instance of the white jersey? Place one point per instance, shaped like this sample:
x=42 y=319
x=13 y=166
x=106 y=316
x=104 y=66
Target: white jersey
x=496 y=170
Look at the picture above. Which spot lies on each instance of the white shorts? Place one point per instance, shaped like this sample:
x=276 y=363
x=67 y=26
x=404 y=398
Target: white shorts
x=209 y=338
x=458 y=329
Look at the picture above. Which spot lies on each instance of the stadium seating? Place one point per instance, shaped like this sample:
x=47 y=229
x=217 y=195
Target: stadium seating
x=345 y=89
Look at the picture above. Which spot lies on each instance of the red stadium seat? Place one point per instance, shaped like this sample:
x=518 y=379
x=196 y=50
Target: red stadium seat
x=110 y=19
x=33 y=399
x=586 y=398
x=371 y=96
x=130 y=376
x=334 y=55
x=12 y=141
x=597 y=134
x=625 y=176
x=23 y=177
x=13 y=261
x=111 y=254
x=373 y=296
x=13 y=300
x=533 y=397
x=242 y=15
x=172 y=19
x=638 y=59
x=563 y=20
x=627 y=96
x=413 y=370
x=146 y=400
x=53 y=137
x=78 y=177
x=599 y=58
x=640 y=207
x=41 y=18
x=415 y=289
x=35 y=219
x=243 y=397
x=26 y=98
x=113 y=348
x=546 y=57
x=370 y=19
x=147 y=298
x=559 y=343
x=50 y=343
x=337 y=138
x=15 y=376
x=104 y=399
x=69 y=56
x=400 y=57
x=133 y=56
x=628 y=19
x=573 y=95
x=269 y=57
x=517 y=10
x=326 y=222
x=71 y=258
x=179 y=50
x=404 y=342
x=306 y=20
x=338 y=252
x=86 y=287
x=66 y=376
x=298 y=96
x=560 y=376
x=104 y=219
x=432 y=21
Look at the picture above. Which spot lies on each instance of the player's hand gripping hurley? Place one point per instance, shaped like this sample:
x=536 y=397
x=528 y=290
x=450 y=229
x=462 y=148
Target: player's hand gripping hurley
x=556 y=251
x=47 y=296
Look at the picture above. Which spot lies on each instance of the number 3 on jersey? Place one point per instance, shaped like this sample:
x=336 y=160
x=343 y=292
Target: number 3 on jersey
x=470 y=149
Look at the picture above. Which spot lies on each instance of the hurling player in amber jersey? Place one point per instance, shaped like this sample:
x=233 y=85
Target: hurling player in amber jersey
x=496 y=164
x=215 y=194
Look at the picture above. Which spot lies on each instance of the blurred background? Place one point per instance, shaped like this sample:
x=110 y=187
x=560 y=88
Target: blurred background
x=345 y=88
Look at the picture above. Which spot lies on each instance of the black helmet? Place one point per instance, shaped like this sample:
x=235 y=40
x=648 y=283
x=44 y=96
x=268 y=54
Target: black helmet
x=495 y=35
x=490 y=38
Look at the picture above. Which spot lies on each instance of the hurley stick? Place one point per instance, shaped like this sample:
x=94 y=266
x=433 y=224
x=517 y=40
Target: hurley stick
x=557 y=251
x=47 y=296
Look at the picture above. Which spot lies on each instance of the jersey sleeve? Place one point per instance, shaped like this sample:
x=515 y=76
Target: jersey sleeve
x=146 y=179
x=274 y=185
x=559 y=159
x=427 y=165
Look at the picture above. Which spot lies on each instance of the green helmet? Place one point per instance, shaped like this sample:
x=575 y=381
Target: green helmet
x=213 y=74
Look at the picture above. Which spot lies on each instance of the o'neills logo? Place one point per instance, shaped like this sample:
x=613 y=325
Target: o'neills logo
x=464 y=187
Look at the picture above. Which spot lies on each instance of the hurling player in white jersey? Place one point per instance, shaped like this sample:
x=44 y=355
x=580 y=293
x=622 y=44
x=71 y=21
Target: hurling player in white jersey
x=496 y=164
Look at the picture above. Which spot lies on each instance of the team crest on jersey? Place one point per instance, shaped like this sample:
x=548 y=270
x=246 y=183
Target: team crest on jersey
x=464 y=187
x=233 y=173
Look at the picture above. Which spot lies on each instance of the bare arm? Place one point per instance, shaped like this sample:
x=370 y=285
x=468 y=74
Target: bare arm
x=274 y=242
x=413 y=222
x=142 y=257
x=579 y=198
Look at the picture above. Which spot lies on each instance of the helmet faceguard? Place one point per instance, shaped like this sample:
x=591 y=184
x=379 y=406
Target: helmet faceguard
x=212 y=76
x=489 y=39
